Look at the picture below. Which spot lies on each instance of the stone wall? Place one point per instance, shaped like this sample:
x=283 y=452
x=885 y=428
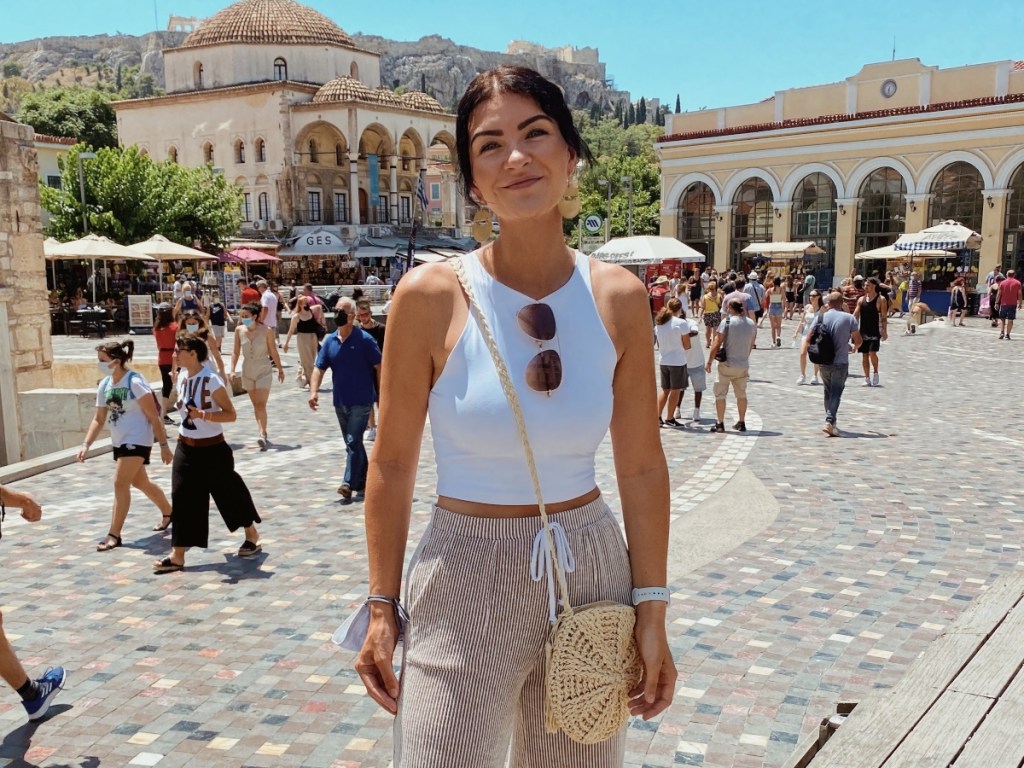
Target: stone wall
x=26 y=355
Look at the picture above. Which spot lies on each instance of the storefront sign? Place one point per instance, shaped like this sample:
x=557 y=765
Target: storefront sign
x=321 y=239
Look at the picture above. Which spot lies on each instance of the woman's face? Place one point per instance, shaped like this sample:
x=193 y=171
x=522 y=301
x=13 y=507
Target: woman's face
x=521 y=164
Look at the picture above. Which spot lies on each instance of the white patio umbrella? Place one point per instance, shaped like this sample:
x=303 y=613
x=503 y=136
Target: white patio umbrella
x=948 y=236
x=646 y=249
x=48 y=244
x=784 y=250
x=159 y=249
x=890 y=253
x=93 y=247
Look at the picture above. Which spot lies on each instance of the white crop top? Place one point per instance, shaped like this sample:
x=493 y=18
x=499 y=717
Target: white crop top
x=476 y=443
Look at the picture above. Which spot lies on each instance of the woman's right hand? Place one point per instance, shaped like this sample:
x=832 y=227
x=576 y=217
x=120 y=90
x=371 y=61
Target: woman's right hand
x=374 y=662
x=80 y=456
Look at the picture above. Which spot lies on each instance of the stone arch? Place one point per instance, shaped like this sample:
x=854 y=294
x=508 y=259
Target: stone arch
x=241 y=182
x=411 y=146
x=280 y=69
x=313 y=180
x=172 y=153
x=1008 y=168
x=802 y=172
x=934 y=166
x=737 y=180
x=375 y=139
x=680 y=185
x=327 y=137
x=208 y=152
x=865 y=169
x=353 y=70
x=239 y=152
x=447 y=139
x=260 y=147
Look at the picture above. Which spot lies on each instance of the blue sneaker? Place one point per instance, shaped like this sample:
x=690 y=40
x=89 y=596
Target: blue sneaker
x=49 y=685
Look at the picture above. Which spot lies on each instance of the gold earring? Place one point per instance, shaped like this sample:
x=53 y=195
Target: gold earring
x=569 y=206
x=481 y=229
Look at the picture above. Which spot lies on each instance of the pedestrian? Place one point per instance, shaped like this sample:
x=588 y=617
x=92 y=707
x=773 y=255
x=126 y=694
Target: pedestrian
x=354 y=359
x=711 y=310
x=125 y=396
x=776 y=300
x=736 y=333
x=852 y=291
x=37 y=694
x=254 y=343
x=872 y=313
x=305 y=327
x=657 y=293
x=366 y=321
x=269 y=303
x=695 y=374
x=592 y=326
x=913 y=298
x=247 y=294
x=694 y=294
x=1008 y=299
x=812 y=310
x=188 y=301
x=218 y=317
x=193 y=322
x=790 y=288
x=672 y=332
x=177 y=288
x=165 y=329
x=204 y=465
x=841 y=329
x=756 y=291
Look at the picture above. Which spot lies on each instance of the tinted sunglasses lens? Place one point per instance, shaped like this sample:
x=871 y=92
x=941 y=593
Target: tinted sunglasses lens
x=537 y=321
x=544 y=371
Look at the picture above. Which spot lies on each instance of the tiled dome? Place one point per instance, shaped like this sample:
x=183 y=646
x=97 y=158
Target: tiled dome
x=420 y=100
x=343 y=88
x=268 y=21
x=385 y=96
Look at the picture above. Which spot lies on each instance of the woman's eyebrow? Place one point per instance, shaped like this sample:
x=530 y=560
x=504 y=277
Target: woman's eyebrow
x=499 y=132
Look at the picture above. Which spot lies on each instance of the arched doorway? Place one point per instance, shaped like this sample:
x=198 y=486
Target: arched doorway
x=1013 y=249
x=814 y=218
x=751 y=219
x=364 y=205
x=881 y=215
x=695 y=219
x=956 y=195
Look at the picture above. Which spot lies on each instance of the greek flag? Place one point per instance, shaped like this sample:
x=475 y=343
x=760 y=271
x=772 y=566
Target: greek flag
x=421 y=191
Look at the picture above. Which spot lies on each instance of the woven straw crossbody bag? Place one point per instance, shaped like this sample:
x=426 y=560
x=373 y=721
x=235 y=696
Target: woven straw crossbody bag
x=592 y=659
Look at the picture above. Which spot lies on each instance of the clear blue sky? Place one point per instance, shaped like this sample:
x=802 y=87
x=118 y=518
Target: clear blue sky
x=711 y=53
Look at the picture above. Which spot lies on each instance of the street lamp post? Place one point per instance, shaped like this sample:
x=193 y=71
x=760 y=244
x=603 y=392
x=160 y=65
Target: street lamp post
x=627 y=182
x=81 y=187
x=608 y=219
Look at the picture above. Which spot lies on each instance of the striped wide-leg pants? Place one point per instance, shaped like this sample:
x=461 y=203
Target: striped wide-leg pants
x=473 y=669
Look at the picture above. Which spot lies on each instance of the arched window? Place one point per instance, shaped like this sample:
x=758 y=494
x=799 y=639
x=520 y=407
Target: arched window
x=695 y=218
x=197 y=74
x=1013 y=253
x=240 y=152
x=172 y=154
x=207 y=152
x=814 y=218
x=353 y=70
x=280 y=69
x=339 y=154
x=314 y=152
x=883 y=204
x=956 y=195
x=752 y=219
x=263 y=206
x=261 y=151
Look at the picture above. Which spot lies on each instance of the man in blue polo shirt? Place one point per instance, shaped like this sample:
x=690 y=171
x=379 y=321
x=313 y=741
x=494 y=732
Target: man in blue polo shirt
x=354 y=359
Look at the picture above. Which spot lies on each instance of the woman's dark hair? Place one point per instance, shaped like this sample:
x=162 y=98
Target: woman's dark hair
x=523 y=82
x=736 y=306
x=164 y=317
x=252 y=308
x=121 y=351
x=667 y=311
x=357 y=294
x=193 y=342
x=777 y=281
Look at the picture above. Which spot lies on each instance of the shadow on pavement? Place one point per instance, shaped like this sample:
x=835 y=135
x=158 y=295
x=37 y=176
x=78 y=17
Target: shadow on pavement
x=17 y=743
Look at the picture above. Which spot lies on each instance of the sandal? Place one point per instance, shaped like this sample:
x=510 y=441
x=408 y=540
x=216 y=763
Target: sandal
x=250 y=548
x=165 y=523
x=109 y=542
x=168 y=566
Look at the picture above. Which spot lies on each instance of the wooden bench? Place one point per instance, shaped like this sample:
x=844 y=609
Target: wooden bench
x=960 y=704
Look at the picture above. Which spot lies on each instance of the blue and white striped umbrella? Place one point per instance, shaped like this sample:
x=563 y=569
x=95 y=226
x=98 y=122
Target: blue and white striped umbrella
x=947 y=236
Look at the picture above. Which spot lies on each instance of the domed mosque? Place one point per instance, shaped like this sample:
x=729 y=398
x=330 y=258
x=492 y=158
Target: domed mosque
x=294 y=112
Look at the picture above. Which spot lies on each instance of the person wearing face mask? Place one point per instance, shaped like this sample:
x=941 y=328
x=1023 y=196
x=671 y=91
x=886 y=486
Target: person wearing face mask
x=164 y=331
x=188 y=302
x=126 y=398
x=193 y=322
x=255 y=345
x=354 y=359
x=306 y=321
x=219 y=317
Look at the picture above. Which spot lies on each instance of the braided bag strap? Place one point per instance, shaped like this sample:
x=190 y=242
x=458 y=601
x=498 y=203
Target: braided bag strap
x=513 y=400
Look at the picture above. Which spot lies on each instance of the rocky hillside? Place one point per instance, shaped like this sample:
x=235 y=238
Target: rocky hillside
x=433 y=63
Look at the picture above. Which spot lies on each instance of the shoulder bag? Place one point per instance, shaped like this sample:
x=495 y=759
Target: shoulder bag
x=592 y=658
x=720 y=355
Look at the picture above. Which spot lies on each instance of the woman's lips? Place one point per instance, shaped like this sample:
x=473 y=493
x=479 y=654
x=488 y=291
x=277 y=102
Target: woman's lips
x=522 y=183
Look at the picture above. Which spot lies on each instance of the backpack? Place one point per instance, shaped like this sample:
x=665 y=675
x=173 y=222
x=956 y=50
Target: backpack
x=821 y=348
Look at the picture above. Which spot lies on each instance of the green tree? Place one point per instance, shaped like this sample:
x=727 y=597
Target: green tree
x=630 y=115
x=12 y=69
x=678 y=109
x=641 y=110
x=81 y=113
x=128 y=198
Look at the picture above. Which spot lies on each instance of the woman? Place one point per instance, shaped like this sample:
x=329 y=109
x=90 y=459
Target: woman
x=814 y=307
x=254 y=342
x=694 y=291
x=306 y=321
x=134 y=420
x=790 y=289
x=219 y=317
x=204 y=465
x=711 y=307
x=517 y=149
x=673 y=335
x=957 y=302
x=164 y=332
x=79 y=301
x=188 y=302
x=775 y=301
x=193 y=322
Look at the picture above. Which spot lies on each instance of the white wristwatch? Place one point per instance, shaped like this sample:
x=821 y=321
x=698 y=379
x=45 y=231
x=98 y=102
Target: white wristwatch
x=644 y=594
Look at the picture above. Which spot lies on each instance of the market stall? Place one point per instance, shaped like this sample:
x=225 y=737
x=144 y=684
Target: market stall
x=959 y=246
x=798 y=257
x=648 y=255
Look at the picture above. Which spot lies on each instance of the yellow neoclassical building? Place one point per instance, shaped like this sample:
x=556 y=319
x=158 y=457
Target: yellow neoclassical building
x=280 y=99
x=852 y=165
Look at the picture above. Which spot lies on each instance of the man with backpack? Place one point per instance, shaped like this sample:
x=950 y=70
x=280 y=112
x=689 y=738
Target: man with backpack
x=828 y=345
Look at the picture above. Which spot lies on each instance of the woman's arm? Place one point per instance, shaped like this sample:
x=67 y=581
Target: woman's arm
x=291 y=329
x=642 y=475
x=225 y=415
x=236 y=348
x=148 y=406
x=419 y=336
x=274 y=355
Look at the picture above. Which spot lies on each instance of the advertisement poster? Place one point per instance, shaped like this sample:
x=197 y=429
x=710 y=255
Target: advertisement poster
x=140 y=312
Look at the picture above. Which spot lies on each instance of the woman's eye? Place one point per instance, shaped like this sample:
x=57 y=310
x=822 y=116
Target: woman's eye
x=488 y=146
x=536 y=132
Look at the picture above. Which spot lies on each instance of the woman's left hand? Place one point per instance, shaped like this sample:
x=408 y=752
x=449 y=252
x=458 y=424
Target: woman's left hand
x=280 y=374
x=658 y=684
x=166 y=455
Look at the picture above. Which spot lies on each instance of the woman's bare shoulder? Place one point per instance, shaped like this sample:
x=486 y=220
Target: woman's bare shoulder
x=615 y=282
